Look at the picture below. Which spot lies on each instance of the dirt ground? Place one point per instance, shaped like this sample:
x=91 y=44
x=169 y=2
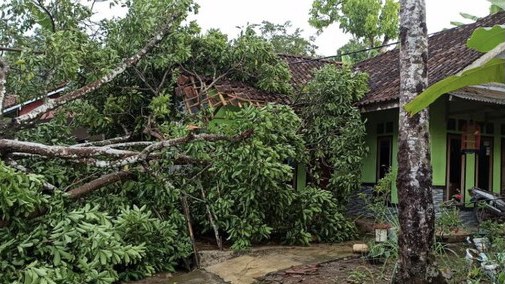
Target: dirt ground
x=350 y=270
x=357 y=269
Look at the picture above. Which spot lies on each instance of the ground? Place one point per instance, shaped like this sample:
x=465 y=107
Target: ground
x=315 y=264
x=348 y=270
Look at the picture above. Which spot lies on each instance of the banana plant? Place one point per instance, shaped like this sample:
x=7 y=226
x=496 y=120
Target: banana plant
x=487 y=69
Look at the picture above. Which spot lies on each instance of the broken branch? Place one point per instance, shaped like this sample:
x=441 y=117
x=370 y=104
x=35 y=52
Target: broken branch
x=52 y=104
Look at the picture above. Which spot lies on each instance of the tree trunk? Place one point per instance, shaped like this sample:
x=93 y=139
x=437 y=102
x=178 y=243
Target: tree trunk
x=416 y=211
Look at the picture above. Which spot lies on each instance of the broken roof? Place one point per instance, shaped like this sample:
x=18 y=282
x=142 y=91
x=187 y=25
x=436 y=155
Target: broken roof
x=448 y=55
x=9 y=101
x=226 y=92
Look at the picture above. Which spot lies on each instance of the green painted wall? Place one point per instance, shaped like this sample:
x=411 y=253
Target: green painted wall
x=469 y=175
x=220 y=117
x=438 y=136
x=440 y=111
x=369 y=167
x=438 y=144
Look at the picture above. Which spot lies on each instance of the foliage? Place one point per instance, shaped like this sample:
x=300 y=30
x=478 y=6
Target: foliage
x=376 y=203
x=333 y=130
x=372 y=21
x=20 y=193
x=248 y=185
x=359 y=277
x=248 y=58
x=286 y=40
x=131 y=229
x=84 y=245
x=315 y=214
x=80 y=246
x=485 y=39
x=448 y=220
x=164 y=247
x=494 y=7
x=354 y=52
x=491 y=71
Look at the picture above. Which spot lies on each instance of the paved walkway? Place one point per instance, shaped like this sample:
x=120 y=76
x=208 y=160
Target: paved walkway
x=261 y=261
x=220 y=267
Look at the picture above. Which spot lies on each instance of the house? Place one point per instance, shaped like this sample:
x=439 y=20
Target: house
x=226 y=95
x=467 y=126
x=229 y=94
x=11 y=107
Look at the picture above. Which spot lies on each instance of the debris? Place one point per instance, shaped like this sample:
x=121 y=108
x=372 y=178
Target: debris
x=360 y=248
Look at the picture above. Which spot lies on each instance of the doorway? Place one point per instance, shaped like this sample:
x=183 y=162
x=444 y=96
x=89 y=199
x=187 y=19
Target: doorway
x=455 y=168
x=384 y=155
x=484 y=170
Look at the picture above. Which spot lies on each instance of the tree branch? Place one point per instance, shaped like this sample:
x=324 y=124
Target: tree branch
x=120 y=158
x=126 y=63
x=64 y=152
x=104 y=142
x=98 y=183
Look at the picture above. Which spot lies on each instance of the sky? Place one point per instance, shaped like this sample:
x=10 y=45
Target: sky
x=228 y=15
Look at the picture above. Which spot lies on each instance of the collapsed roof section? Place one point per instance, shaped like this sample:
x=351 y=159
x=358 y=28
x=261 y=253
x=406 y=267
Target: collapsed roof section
x=197 y=94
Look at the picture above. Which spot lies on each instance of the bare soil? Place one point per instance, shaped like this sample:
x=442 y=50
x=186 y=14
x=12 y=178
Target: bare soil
x=349 y=270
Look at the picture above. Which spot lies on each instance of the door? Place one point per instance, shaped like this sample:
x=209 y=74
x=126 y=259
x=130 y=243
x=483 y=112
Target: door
x=384 y=155
x=484 y=170
x=455 y=168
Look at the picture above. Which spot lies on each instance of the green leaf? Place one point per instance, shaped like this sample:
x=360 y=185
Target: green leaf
x=484 y=39
x=469 y=16
x=493 y=71
x=498 y=3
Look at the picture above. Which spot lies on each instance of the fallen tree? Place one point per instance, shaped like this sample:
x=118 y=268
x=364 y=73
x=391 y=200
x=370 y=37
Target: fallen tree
x=128 y=202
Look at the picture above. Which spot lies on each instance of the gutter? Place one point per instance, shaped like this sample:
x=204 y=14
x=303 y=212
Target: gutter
x=48 y=95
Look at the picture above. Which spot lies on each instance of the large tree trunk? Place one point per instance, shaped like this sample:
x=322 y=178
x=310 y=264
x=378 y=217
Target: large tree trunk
x=416 y=210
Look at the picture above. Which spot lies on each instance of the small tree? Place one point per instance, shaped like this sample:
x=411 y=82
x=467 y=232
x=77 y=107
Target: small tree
x=374 y=22
x=333 y=130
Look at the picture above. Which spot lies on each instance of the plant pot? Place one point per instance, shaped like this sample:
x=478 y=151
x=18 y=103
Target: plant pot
x=381 y=232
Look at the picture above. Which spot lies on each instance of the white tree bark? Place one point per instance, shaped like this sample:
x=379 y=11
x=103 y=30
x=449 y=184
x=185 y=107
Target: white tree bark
x=115 y=158
x=52 y=104
x=3 y=74
x=414 y=182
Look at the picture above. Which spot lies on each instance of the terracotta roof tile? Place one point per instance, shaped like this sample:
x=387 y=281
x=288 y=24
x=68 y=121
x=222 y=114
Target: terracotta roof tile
x=302 y=68
x=448 y=55
x=9 y=101
x=237 y=93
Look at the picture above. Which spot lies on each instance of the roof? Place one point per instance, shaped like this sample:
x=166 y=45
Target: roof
x=448 y=55
x=9 y=101
x=486 y=95
x=222 y=93
x=226 y=92
x=302 y=68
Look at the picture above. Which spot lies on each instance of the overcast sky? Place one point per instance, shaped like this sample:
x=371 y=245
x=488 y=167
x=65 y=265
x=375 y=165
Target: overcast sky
x=227 y=15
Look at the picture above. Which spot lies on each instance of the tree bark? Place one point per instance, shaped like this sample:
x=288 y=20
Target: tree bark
x=98 y=183
x=52 y=104
x=3 y=74
x=415 y=207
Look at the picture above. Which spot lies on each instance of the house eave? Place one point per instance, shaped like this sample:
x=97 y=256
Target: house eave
x=379 y=106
